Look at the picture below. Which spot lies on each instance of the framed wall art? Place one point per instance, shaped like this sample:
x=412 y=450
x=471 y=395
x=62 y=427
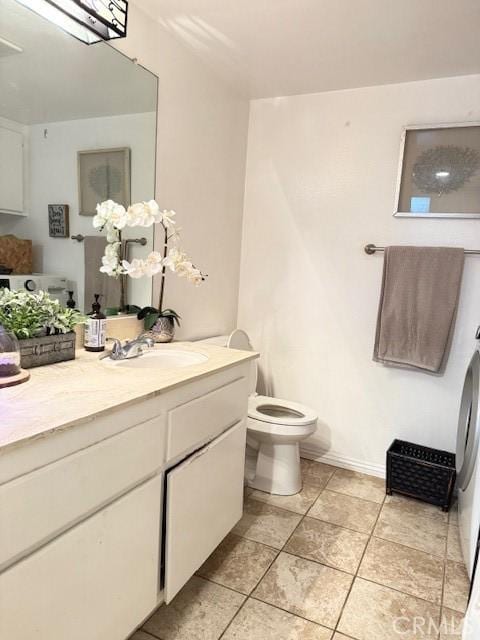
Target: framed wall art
x=103 y=174
x=439 y=172
x=58 y=220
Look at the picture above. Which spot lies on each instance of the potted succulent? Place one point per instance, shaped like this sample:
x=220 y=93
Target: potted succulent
x=112 y=218
x=44 y=328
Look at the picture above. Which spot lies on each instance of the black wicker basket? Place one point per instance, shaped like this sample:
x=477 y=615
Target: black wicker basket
x=421 y=472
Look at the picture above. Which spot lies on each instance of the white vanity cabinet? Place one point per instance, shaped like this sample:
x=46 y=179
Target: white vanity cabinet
x=124 y=510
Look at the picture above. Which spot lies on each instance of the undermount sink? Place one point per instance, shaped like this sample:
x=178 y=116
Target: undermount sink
x=160 y=359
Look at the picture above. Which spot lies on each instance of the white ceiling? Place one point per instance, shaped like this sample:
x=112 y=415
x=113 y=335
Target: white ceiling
x=283 y=47
x=56 y=77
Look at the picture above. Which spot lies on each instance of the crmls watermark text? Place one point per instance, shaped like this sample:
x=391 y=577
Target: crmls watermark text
x=421 y=627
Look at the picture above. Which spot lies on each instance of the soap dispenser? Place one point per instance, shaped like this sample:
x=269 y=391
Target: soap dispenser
x=96 y=328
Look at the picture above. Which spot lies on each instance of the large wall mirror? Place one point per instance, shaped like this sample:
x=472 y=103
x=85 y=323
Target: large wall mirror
x=77 y=126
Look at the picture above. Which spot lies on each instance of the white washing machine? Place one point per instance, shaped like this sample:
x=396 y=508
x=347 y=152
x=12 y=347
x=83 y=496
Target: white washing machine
x=468 y=464
x=471 y=623
x=56 y=286
x=468 y=485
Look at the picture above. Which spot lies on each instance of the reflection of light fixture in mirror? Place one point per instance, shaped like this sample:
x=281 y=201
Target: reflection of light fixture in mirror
x=442 y=174
x=87 y=20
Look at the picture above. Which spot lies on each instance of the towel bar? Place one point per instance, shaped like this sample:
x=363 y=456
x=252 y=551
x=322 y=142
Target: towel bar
x=371 y=249
x=142 y=241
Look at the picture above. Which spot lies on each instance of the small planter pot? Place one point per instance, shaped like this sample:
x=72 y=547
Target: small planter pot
x=162 y=331
x=36 y=352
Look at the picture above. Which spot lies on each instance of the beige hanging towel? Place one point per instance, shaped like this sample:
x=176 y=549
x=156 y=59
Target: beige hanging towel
x=418 y=305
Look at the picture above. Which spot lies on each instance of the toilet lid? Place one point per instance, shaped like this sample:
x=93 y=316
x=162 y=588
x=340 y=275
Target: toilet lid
x=276 y=411
x=239 y=339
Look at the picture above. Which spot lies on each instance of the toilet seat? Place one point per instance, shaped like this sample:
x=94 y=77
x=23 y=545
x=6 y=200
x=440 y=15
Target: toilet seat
x=280 y=412
x=275 y=429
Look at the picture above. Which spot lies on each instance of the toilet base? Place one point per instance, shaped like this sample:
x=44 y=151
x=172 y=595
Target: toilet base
x=277 y=469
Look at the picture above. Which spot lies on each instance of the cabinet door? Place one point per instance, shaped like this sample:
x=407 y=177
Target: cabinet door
x=11 y=170
x=204 y=501
x=97 y=581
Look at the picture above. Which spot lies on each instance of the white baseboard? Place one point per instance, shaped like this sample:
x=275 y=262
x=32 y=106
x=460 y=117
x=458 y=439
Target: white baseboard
x=336 y=460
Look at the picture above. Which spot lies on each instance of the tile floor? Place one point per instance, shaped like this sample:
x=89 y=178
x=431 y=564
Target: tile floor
x=338 y=561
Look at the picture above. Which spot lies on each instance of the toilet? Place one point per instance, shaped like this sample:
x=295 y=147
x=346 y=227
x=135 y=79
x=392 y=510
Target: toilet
x=275 y=429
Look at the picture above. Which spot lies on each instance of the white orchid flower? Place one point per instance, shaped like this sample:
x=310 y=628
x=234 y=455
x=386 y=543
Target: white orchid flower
x=178 y=262
x=174 y=258
x=118 y=217
x=183 y=268
x=110 y=214
x=98 y=222
x=135 y=268
x=112 y=217
x=103 y=213
x=101 y=219
x=113 y=234
x=110 y=265
x=195 y=276
x=153 y=264
x=112 y=250
x=167 y=218
x=144 y=214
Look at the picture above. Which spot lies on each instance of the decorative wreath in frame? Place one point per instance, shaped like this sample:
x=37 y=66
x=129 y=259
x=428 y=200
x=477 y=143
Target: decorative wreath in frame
x=445 y=168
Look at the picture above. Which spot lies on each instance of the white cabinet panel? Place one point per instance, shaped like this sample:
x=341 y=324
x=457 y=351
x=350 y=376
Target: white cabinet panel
x=98 y=581
x=42 y=504
x=201 y=419
x=204 y=501
x=11 y=170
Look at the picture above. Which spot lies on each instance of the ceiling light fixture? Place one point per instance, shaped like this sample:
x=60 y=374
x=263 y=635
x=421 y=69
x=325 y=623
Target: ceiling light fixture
x=87 y=20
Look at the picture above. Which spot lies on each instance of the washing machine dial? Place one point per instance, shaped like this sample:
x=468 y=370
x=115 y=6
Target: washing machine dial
x=30 y=285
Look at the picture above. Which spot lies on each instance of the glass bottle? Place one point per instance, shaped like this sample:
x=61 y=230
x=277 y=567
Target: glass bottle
x=9 y=354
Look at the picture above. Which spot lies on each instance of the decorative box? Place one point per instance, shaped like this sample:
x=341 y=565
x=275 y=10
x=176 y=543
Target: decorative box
x=36 y=352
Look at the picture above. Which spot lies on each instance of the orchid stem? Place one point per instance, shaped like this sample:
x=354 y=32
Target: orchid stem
x=162 y=284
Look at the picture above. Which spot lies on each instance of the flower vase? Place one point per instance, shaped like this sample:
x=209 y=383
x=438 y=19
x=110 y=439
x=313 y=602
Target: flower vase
x=163 y=330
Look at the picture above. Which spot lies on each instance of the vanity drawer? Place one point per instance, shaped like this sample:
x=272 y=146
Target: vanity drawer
x=36 y=507
x=205 y=417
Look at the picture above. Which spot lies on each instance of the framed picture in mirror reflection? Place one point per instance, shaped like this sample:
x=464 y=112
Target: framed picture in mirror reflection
x=439 y=171
x=103 y=174
x=58 y=220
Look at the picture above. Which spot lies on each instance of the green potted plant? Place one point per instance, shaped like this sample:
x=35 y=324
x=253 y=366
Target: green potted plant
x=111 y=218
x=44 y=328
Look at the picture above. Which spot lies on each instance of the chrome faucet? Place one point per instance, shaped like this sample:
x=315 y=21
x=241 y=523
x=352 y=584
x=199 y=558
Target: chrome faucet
x=131 y=348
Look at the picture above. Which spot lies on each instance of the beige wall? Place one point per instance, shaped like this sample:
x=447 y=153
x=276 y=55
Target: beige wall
x=321 y=174
x=202 y=134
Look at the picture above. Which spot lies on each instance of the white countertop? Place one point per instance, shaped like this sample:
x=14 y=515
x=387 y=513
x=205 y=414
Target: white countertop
x=62 y=395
